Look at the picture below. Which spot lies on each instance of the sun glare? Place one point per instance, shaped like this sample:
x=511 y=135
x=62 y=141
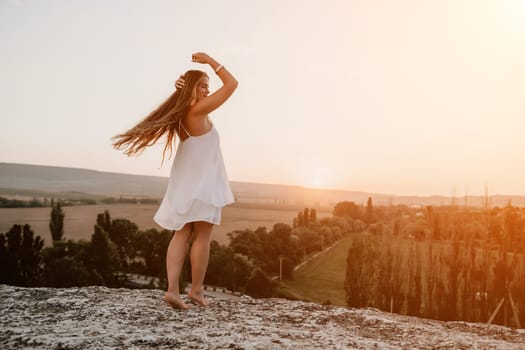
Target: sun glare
x=318 y=176
x=315 y=182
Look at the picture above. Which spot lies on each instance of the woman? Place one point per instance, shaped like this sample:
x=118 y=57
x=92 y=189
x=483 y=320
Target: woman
x=198 y=187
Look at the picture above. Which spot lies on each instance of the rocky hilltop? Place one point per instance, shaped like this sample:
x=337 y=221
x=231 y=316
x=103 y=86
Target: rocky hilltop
x=99 y=317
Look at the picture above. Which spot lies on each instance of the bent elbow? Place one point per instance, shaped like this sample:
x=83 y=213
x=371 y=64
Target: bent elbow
x=232 y=85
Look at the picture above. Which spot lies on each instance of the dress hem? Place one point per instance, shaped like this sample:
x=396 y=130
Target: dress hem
x=175 y=228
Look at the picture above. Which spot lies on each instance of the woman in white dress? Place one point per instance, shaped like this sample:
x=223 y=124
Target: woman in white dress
x=198 y=187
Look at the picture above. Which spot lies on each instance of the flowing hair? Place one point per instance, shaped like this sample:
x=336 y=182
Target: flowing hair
x=165 y=119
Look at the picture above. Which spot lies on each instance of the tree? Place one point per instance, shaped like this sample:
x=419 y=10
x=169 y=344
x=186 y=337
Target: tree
x=30 y=257
x=453 y=261
x=260 y=285
x=436 y=227
x=414 y=297
x=300 y=219
x=281 y=243
x=395 y=230
x=20 y=256
x=306 y=216
x=9 y=267
x=104 y=257
x=313 y=216
x=389 y=284
x=66 y=265
x=152 y=245
x=56 y=224
x=510 y=226
x=242 y=270
x=121 y=232
x=347 y=209
x=308 y=239
x=362 y=269
x=220 y=262
x=255 y=244
x=432 y=279
x=104 y=221
x=369 y=211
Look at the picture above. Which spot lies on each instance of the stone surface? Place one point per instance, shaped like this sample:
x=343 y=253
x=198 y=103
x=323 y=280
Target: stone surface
x=99 y=317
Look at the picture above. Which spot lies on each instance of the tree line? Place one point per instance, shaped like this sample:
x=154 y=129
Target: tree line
x=249 y=263
x=18 y=203
x=446 y=263
x=45 y=202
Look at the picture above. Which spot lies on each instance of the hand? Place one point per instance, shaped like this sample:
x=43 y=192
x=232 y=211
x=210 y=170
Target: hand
x=200 y=57
x=179 y=83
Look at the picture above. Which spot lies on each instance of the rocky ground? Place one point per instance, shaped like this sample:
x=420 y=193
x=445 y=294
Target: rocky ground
x=99 y=317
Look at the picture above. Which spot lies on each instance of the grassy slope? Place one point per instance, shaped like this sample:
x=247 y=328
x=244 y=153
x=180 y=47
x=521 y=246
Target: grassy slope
x=322 y=279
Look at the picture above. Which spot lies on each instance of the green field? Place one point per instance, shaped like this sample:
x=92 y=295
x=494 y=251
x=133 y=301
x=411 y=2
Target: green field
x=322 y=279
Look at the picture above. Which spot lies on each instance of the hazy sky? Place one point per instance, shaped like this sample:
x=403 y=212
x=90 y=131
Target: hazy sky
x=401 y=97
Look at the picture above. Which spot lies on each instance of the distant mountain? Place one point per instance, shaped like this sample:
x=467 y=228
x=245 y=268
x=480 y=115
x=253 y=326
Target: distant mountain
x=56 y=179
x=40 y=180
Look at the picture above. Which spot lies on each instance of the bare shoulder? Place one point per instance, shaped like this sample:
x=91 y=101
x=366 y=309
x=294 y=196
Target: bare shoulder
x=197 y=123
x=195 y=118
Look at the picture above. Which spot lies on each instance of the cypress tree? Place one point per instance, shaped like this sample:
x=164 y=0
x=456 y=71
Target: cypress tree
x=20 y=256
x=104 y=256
x=300 y=219
x=313 y=216
x=56 y=224
x=104 y=221
x=369 y=211
x=306 y=217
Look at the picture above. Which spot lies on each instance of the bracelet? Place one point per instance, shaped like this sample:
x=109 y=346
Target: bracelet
x=219 y=68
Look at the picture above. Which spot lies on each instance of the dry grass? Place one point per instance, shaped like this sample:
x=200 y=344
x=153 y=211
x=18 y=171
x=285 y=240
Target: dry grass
x=79 y=220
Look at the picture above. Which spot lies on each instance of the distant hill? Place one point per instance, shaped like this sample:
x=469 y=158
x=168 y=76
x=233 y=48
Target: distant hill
x=40 y=181
x=54 y=179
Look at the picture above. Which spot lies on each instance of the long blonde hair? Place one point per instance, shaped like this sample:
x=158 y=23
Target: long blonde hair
x=165 y=119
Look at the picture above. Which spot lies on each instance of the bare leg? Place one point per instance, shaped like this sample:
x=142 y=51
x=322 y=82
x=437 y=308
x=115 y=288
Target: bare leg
x=174 y=262
x=200 y=254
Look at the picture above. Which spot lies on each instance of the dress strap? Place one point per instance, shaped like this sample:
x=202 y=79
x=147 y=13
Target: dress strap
x=183 y=128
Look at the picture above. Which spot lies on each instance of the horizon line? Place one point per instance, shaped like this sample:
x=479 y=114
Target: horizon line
x=282 y=184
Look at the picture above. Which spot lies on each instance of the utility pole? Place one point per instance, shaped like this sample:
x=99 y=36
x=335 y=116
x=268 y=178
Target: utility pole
x=281 y=267
x=234 y=273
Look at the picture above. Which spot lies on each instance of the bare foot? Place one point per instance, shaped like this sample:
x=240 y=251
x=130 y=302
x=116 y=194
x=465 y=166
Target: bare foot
x=175 y=301
x=198 y=297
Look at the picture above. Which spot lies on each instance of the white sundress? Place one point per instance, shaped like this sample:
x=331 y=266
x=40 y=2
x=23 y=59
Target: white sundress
x=198 y=187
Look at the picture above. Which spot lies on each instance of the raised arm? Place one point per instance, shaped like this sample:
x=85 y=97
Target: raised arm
x=215 y=100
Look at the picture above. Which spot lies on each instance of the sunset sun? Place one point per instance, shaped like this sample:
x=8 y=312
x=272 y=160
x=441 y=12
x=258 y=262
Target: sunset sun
x=315 y=182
